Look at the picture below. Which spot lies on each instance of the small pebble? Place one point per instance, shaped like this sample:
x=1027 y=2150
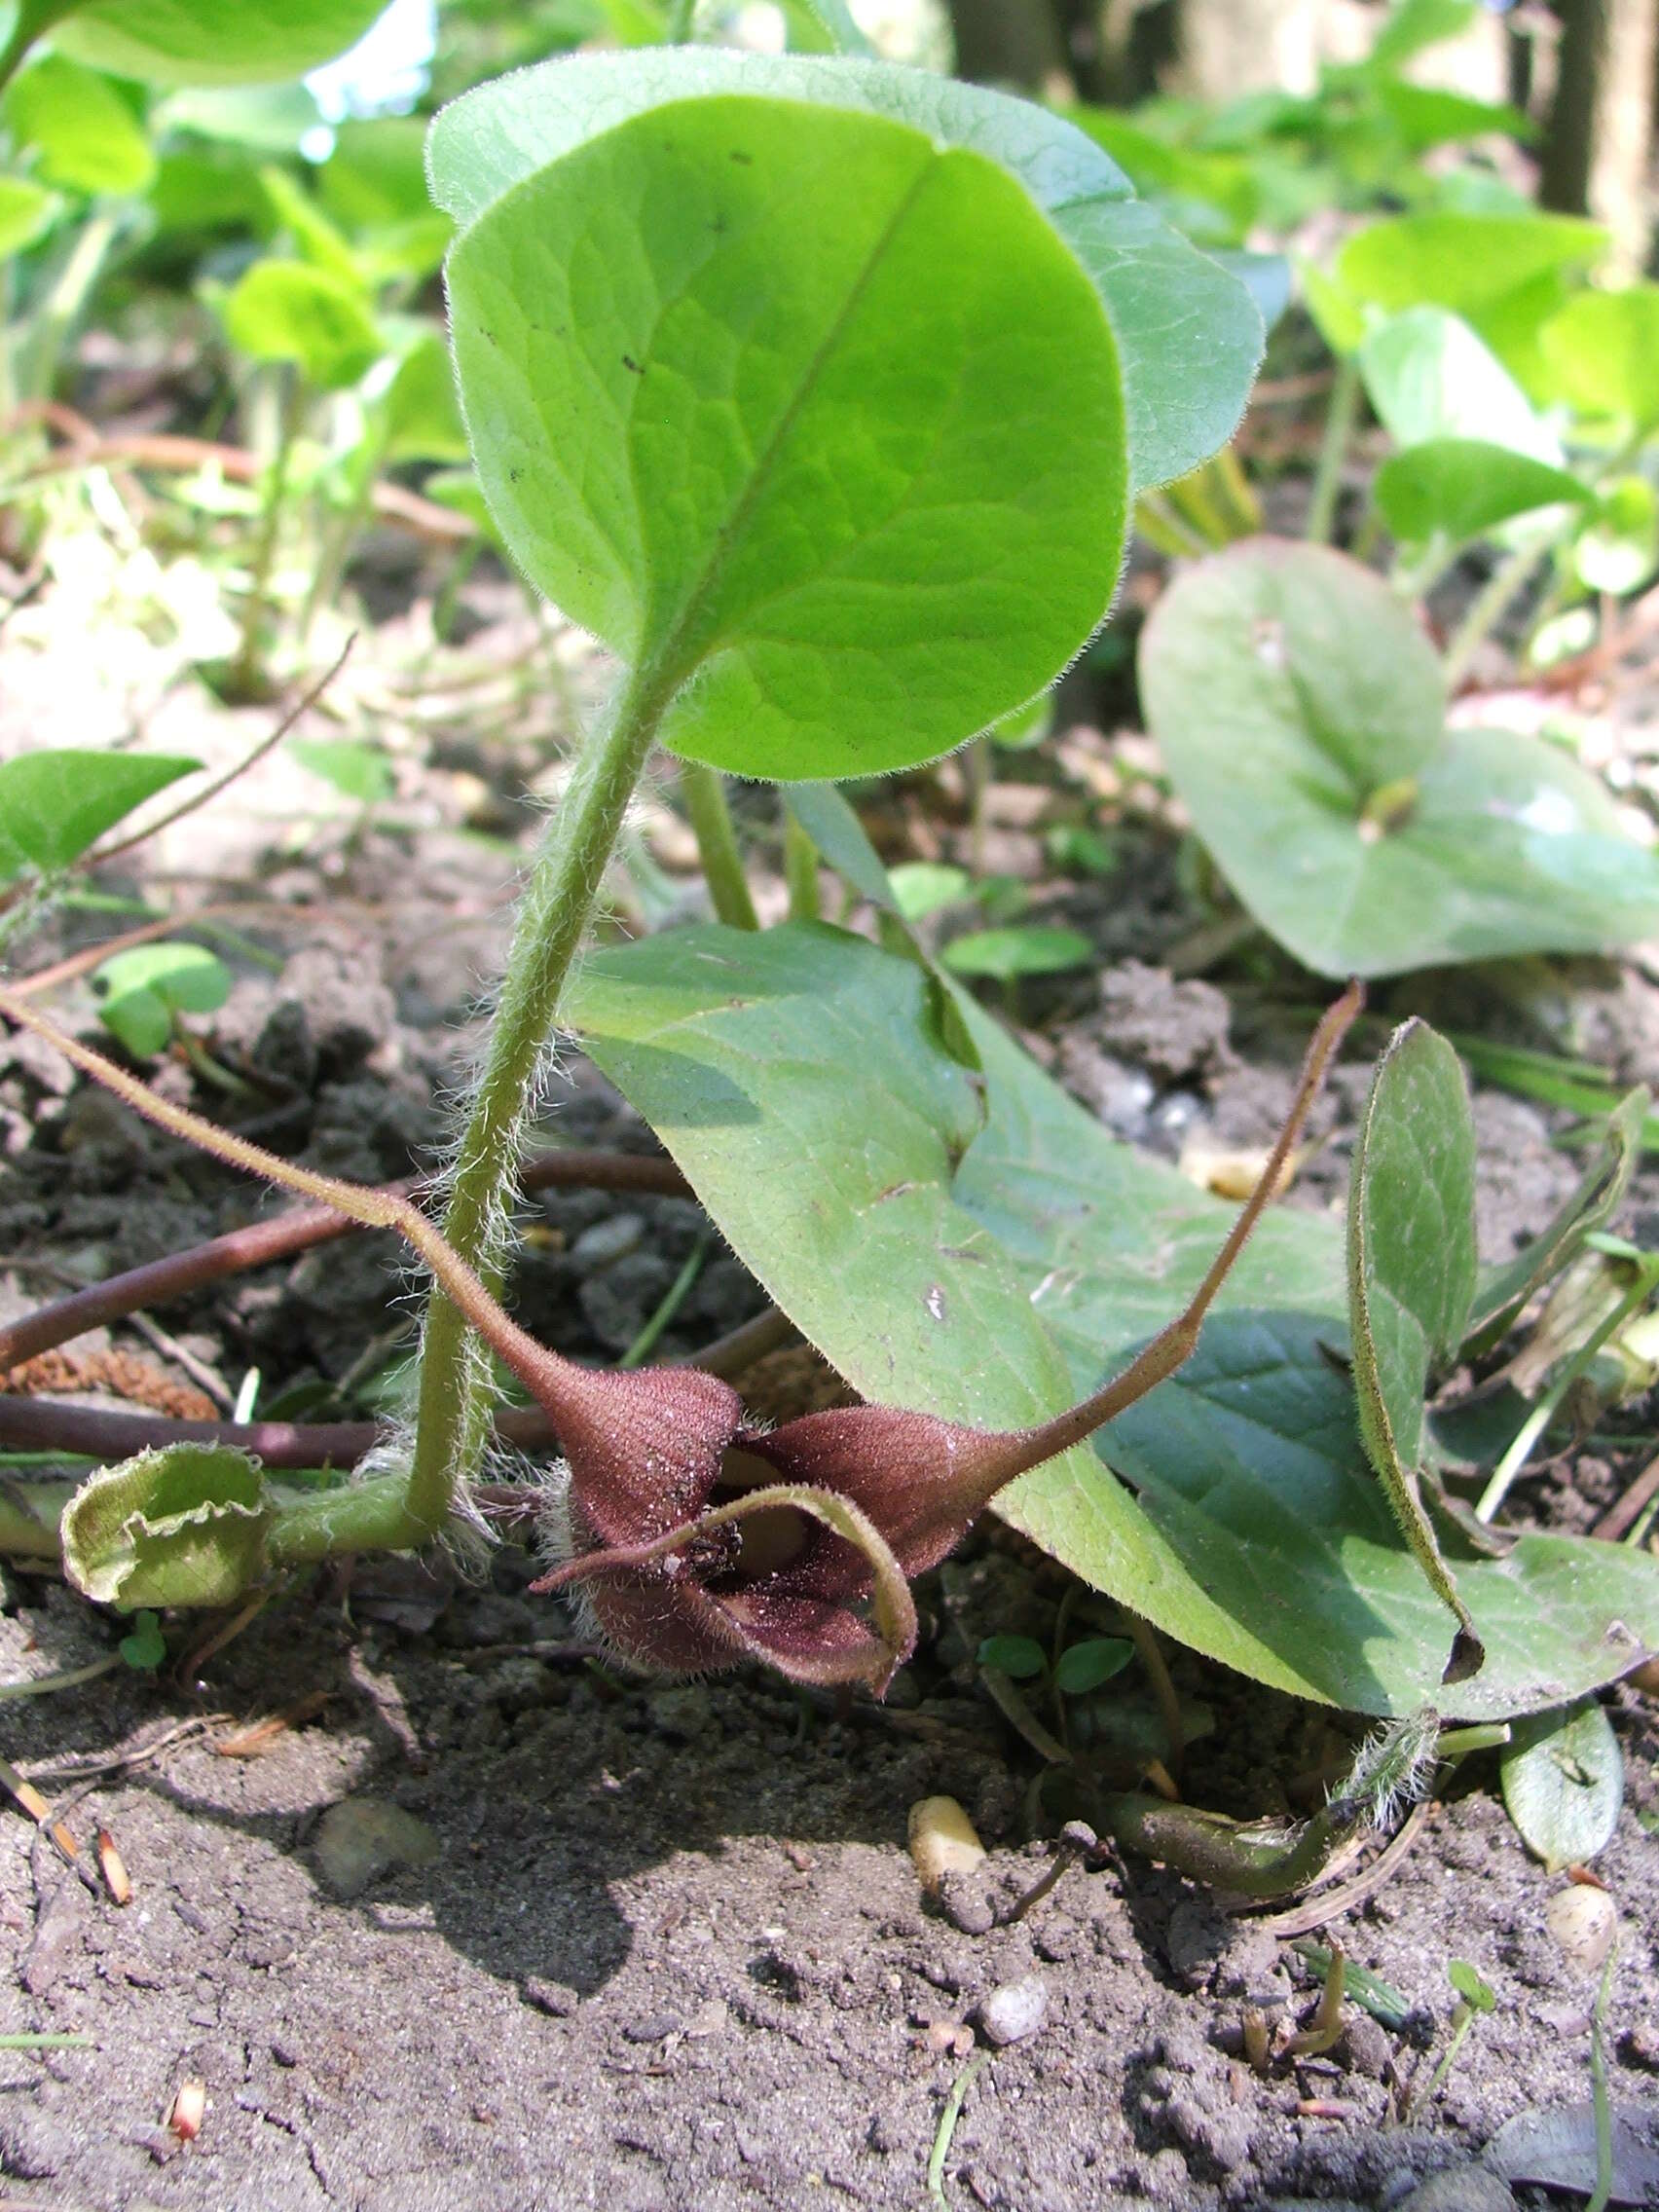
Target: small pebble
x=1016 y=2010
x=1366 y=2045
x=555 y=1998
x=962 y=1901
x=654 y=2027
x=1459 y=2188
x=1582 y=1919
x=360 y=1839
x=943 y=1840
x=607 y=1242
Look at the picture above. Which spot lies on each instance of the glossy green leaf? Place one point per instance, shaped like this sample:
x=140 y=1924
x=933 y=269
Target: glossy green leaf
x=923 y=887
x=55 y=805
x=1411 y=1269
x=1563 y=1782
x=1188 y=334
x=1464 y=263
x=83 y=134
x=1019 y=1657
x=877 y=401
x=1299 y=709
x=1005 y=955
x=1457 y=489
x=799 y=1079
x=1428 y=376
x=140 y=992
x=212 y=42
x=377 y=172
x=1429 y=115
x=184 y=1525
x=1250 y=1464
x=288 y=311
x=27 y=212
x=1213 y=198
x=1601 y=355
x=1084 y=1667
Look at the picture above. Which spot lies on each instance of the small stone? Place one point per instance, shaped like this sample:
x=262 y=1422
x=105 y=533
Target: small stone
x=1459 y=2188
x=360 y=1839
x=554 y=1998
x=963 y=1900
x=1015 y=2012
x=656 y=2027
x=681 y=1711
x=1582 y=1919
x=943 y=1840
x=1366 y=2046
x=609 y=1241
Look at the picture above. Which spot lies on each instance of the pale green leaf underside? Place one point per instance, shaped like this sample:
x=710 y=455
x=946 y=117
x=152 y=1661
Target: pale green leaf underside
x=818 y=427
x=1563 y=1784
x=1189 y=334
x=213 y=42
x=1285 y=686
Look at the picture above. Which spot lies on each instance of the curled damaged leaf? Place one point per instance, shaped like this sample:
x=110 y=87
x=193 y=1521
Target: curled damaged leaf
x=181 y=1526
x=1412 y=1279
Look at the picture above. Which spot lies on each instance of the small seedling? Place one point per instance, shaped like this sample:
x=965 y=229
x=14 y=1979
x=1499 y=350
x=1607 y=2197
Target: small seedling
x=1474 y=1996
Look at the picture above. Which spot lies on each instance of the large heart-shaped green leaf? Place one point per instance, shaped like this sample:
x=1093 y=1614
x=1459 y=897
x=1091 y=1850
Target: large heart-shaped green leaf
x=212 y=41
x=1428 y=376
x=799 y=1079
x=1299 y=712
x=1189 y=335
x=818 y=426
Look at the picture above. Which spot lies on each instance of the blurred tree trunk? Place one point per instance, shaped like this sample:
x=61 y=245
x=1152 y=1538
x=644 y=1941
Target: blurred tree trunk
x=1008 y=42
x=1601 y=135
x=1229 y=46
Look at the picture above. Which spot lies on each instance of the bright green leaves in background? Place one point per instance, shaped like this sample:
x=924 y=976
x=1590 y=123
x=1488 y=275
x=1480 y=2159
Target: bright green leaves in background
x=85 y=135
x=288 y=311
x=816 y=425
x=817 y=387
x=209 y=42
x=1299 y=712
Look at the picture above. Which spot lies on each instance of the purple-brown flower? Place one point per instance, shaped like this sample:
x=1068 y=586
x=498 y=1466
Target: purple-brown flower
x=699 y=1541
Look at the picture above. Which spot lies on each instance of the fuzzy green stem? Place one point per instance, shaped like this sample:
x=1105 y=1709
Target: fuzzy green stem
x=245 y=669
x=704 y=792
x=801 y=869
x=358 y=1517
x=1341 y=417
x=1491 y=604
x=452 y=1420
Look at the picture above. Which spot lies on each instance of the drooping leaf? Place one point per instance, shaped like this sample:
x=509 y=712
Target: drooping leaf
x=877 y=396
x=55 y=805
x=1458 y=489
x=1563 y=1782
x=181 y=1526
x=288 y=310
x=1182 y=401
x=142 y=989
x=1300 y=712
x=84 y=135
x=985 y=1271
x=212 y=42
x=1412 y=1270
